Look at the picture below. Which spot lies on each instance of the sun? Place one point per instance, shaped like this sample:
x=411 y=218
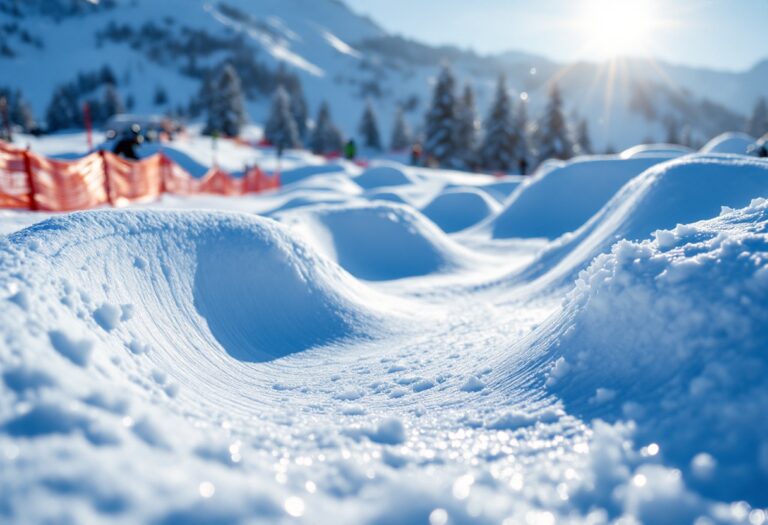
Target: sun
x=618 y=27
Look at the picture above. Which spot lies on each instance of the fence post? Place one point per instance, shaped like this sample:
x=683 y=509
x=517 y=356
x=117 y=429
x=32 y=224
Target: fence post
x=30 y=180
x=107 y=185
x=164 y=167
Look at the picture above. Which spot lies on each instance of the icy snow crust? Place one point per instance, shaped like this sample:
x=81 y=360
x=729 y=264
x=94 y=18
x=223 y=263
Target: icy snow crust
x=349 y=361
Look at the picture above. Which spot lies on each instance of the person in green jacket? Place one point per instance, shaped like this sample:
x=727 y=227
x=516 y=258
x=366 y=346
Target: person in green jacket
x=350 y=150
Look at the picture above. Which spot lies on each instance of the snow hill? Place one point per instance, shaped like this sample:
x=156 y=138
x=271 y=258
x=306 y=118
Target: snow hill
x=676 y=192
x=698 y=290
x=343 y=58
x=346 y=359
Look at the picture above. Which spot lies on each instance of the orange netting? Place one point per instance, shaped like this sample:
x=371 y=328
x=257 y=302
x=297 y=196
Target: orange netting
x=34 y=182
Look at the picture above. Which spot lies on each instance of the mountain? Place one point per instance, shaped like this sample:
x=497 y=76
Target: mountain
x=168 y=46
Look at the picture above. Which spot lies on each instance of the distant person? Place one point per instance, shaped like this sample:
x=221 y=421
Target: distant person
x=523 y=165
x=416 y=152
x=127 y=144
x=350 y=150
x=762 y=151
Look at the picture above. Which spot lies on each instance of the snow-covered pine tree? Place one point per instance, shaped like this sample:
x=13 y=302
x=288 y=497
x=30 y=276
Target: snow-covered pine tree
x=467 y=127
x=20 y=113
x=522 y=150
x=583 y=140
x=554 y=141
x=281 y=130
x=63 y=110
x=112 y=104
x=299 y=108
x=758 y=122
x=497 y=151
x=440 y=122
x=226 y=109
x=326 y=136
x=369 y=128
x=401 y=134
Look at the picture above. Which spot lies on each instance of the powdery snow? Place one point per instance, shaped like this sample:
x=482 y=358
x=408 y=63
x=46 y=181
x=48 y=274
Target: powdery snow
x=350 y=360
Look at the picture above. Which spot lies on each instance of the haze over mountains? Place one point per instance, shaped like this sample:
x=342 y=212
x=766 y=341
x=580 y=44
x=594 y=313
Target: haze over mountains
x=343 y=58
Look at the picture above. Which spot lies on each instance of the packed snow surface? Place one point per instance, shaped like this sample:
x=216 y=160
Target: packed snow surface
x=736 y=143
x=562 y=197
x=346 y=359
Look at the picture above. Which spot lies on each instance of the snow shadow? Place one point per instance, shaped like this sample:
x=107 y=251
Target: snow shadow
x=260 y=305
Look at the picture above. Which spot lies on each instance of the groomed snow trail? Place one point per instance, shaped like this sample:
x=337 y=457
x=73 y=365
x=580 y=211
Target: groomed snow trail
x=209 y=367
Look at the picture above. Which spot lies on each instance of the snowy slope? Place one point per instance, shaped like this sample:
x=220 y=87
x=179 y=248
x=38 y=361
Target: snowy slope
x=356 y=364
x=676 y=192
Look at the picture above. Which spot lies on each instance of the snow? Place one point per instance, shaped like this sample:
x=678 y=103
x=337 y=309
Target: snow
x=323 y=353
x=560 y=198
x=455 y=210
x=734 y=142
x=702 y=297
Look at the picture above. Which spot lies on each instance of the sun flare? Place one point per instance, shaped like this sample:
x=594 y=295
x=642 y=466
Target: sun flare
x=617 y=27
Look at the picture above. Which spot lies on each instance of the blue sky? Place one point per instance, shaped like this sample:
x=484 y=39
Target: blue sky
x=722 y=34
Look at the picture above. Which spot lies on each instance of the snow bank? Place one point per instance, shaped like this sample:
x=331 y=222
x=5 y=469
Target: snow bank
x=379 y=240
x=457 y=209
x=671 y=333
x=561 y=199
x=381 y=176
x=733 y=142
x=669 y=151
x=233 y=282
x=680 y=191
x=295 y=175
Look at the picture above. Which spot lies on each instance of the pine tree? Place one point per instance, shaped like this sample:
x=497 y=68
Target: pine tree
x=161 y=96
x=497 y=151
x=112 y=104
x=673 y=130
x=226 y=109
x=466 y=130
x=553 y=138
x=522 y=149
x=401 y=134
x=369 y=128
x=326 y=136
x=440 y=123
x=281 y=130
x=299 y=109
x=583 y=140
x=63 y=110
x=758 y=123
x=20 y=113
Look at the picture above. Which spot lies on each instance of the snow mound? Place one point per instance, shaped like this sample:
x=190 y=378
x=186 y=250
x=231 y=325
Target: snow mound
x=671 y=333
x=379 y=241
x=735 y=143
x=680 y=191
x=563 y=198
x=292 y=176
x=228 y=282
x=388 y=196
x=381 y=176
x=669 y=151
x=504 y=187
x=458 y=209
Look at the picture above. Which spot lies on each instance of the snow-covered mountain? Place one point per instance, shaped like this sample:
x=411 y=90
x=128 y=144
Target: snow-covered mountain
x=167 y=46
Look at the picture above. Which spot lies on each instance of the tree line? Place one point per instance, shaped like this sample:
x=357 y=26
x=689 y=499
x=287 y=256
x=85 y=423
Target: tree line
x=452 y=133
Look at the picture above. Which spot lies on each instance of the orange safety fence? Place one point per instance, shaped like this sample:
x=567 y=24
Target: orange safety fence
x=35 y=182
x=67 y=186
x=14 y=179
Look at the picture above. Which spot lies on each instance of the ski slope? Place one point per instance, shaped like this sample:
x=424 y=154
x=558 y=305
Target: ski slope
x=361 y=347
